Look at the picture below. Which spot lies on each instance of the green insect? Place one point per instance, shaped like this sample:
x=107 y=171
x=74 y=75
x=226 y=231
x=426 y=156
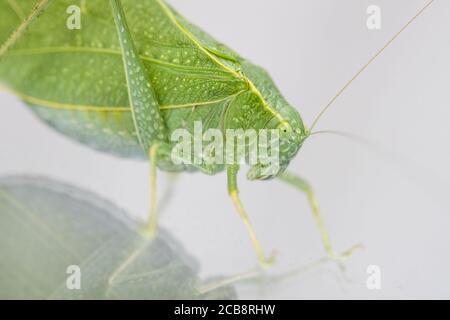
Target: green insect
x=135 y=72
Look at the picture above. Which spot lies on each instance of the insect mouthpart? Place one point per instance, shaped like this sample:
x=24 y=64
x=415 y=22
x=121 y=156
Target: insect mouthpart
x=261 y=172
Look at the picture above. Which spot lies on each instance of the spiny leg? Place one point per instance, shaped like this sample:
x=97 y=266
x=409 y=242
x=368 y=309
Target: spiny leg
x=145 y=110
x=305 y=187
x=232 y=171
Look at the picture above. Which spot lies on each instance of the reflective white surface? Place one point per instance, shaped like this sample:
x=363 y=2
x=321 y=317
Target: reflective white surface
x=394 y=201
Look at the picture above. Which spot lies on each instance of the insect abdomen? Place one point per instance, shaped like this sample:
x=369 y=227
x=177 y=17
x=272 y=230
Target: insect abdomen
x=105 y=130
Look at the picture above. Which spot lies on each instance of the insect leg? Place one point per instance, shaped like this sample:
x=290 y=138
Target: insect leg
x=148 y=121
x=232 y=171
x=150 y=228
x=305 y=187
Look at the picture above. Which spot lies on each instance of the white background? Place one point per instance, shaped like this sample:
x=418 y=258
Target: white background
x=393 y=198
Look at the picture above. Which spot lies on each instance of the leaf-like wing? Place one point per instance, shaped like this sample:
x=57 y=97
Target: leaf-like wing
x=74 y=79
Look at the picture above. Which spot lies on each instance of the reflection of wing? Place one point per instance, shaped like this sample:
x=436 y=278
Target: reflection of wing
x=46 y=226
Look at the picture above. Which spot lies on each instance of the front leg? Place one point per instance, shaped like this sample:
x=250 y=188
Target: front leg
x=232 y=171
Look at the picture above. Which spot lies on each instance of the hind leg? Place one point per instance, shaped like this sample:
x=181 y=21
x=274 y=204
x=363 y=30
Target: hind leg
x=305 y=187
x=149 y=229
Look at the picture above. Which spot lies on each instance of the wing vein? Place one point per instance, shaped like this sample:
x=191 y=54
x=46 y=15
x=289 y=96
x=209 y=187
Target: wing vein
x=48 y=50
x=16 y=34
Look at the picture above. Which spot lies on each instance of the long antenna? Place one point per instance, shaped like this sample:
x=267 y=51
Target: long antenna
x=367 y=64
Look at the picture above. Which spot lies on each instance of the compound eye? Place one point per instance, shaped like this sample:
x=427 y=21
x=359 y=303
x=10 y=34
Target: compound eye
x=285 y=128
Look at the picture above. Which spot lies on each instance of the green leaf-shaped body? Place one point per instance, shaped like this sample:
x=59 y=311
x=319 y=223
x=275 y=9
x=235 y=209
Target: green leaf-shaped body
x=75 y=81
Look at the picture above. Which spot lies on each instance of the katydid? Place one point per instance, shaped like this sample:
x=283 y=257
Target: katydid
x=136 y=72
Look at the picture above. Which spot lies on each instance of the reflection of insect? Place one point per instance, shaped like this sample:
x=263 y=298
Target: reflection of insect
x=127 y=93
x=74 y=228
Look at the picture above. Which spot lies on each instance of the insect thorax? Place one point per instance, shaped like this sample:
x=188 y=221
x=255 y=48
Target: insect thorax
x=252 y=119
